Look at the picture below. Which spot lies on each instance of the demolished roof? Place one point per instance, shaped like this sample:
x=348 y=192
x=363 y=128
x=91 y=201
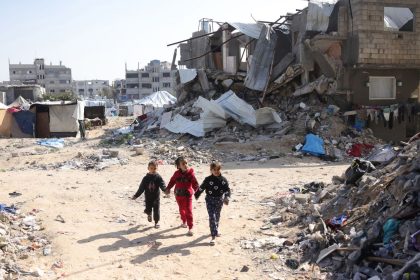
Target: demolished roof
x=252 y=30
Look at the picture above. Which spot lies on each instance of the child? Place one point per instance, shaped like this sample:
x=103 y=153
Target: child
x=185 y=186
x=217 y=192
x=150 y=185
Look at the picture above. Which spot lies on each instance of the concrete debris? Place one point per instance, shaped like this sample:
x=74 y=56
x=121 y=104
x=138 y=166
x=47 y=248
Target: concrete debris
x=358 y=230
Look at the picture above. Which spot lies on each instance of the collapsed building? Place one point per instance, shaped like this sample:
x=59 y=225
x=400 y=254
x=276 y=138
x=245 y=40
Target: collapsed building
x=360 y=55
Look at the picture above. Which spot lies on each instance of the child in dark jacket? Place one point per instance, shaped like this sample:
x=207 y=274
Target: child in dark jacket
x=185 y=185
x=217 y=193
x=150 y=185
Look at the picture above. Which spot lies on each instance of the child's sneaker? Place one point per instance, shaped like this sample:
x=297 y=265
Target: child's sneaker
x=184 y=225
x=157 y=226
x=149 y=218
x=190 y=233
x=218 y=235
x=213 y=241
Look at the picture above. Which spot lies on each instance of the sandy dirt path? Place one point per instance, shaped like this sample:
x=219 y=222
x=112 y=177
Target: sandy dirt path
x=107 y=236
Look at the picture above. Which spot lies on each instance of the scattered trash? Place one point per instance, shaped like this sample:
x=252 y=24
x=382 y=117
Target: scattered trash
x=337 y=222
x=60 y=219
x=15 y=194
x=292 y=263
x=51 y=143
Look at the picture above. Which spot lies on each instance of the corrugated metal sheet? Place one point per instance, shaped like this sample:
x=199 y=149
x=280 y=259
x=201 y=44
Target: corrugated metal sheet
x=252 y=30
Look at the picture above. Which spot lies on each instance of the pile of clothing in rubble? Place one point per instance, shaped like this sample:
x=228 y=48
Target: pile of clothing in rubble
x=366 y=223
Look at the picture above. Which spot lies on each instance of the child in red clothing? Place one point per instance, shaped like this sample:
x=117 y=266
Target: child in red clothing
x=185 y=186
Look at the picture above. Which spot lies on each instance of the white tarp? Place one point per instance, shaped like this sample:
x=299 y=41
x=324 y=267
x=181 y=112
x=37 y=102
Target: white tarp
x=187 y=75
x=61 y=118
x=137 y=110
x=319 y=13
x=215 y=113
x=158 y=99
x=242 y=112
x=252 y=30
x=181 y=124
x=210 y=107
x=396 y=17
x=166 y=118
x=95 y=103
x=3 y=107
x=20 y=102
x=79 y=111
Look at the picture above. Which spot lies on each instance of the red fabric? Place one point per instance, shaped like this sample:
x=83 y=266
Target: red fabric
x=357 y=150
x=184 y=180
x=185 y=210
x=13 y=110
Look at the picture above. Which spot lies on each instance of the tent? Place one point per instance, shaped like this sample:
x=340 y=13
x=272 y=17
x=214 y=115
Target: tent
x=95 y=109
x=21 y=103
x=158 y=99
x=5 y=121
x=55 y=119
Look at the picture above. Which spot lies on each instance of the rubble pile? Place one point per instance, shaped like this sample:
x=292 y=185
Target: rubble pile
x=365 y=224
x=203 y=112
x=21 y=237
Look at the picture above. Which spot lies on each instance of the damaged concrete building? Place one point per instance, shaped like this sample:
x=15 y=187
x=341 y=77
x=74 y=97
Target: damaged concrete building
x=360 y=55
x=370 y=49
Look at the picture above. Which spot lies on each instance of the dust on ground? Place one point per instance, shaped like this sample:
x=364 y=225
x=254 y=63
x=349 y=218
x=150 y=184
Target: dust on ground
x=107 y=236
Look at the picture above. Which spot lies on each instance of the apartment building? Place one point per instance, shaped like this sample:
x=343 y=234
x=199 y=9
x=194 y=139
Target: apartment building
x=154 y=77
x=54 y=78
x=91 y=88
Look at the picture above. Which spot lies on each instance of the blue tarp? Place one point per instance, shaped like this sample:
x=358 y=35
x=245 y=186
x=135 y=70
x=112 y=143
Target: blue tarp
x=313 y=145
x=53 y=143
x=5 y=208
x=25 y=121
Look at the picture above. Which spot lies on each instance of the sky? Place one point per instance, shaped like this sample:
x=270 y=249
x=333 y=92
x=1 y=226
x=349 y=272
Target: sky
x=95 y=38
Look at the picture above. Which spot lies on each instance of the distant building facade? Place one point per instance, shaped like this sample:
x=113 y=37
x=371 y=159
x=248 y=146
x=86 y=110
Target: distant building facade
x=120 y=89
x=54 y=78
x=91 y=88
x=154 y=77
x=10 y=92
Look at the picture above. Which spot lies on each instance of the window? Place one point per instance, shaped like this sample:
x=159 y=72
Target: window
x=166 y=74
x=156 y=79
x=81 y=90
x=398 y=19
x=146 y=85
x=145 y=75
x=63 y=82
x=52 y=90
x=62 y=90
x=132 y=75
x=382 y=88
x=14 y=72
x=52 y=82
x=132 y=85
x=166 y=85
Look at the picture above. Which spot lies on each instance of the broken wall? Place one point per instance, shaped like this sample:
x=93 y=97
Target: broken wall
x=377 y=46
